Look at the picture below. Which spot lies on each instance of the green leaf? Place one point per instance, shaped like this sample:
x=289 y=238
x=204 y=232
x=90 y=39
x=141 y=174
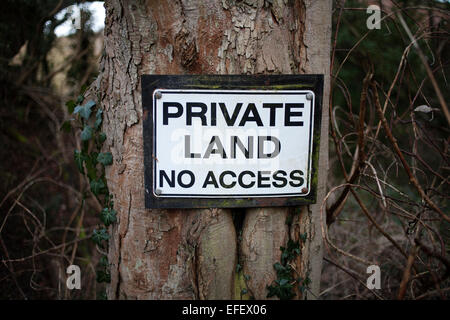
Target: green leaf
x=244 y=291
x=102 y=137
x=97 y=186
x=80 y=99
x=273 y=291
x=70 y=106
x=282 y=282
x=90 y=166
x=90 y=104
x=98 y=119
x=307 y=281
x=108 y=216
x=278 y=267
x=66 y=126
x=86 y=134
x=103 y=262
x=98 y=236
x=304 y=236
x=81 y=111
x=85 y=110
x=103 y=276
x=79 y=159
x=94 y=155
x=102 y=296
x=83 y=89
x=105 y=158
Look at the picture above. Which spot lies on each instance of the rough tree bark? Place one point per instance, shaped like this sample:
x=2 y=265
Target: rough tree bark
x=192 y=254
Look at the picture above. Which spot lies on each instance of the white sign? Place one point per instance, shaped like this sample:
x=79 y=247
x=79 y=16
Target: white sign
x=232 y=143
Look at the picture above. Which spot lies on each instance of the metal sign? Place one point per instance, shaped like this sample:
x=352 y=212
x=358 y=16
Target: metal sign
x=231 y=141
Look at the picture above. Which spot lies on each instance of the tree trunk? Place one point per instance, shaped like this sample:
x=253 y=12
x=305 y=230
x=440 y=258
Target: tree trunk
x=193 y=254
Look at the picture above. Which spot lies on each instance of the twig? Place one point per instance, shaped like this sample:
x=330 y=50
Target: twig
x=427 y=67
x=352 y=274
x=412 y=178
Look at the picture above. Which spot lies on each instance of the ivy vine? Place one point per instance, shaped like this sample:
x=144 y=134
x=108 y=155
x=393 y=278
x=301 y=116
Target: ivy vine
x=284 y=285
x=91 y=162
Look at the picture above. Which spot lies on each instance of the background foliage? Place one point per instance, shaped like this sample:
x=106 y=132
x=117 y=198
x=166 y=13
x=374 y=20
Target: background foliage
x=54 y=198
x=389 y=175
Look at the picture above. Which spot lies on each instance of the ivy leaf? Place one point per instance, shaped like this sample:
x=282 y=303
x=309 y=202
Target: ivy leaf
x=97 y=186
x=278 y=267
x=82 y=111
x=86 y=134
x=70 y=106
x=93 y=155
x=108 y=216
x=304 y=236
x=66 y=126
x=77 y=109
x=282 y=282
x=90 y=166
x=98 y=118
x=103 y=276
x=103 y=262
x=102 y=137
x=90 y=104
x=307 y=281
x=79 y=159
x=273 y=291
x=102 y=296
x=98 y=236
x=105 y=158
x=85 y=110
x=80 y=99
x=284 y=257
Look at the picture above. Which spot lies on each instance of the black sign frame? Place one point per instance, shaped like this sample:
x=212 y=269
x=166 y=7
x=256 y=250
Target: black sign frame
x=228 y=82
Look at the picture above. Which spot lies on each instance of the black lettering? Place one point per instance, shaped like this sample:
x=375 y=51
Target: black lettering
x=210 y=179
x=213 y=114
x=246 y=151
x=241 y=182
x=215 y=141
x=198 y=114
x=180 y=179
x=261 y=179
x=251 y=108
x=167 y=114
x=163 y=176
x=279 y=182
x=288 y=114
x=273 y=111
x=276 y=151
x=222 y=182
x=187 y=148
x=297 y=177
x=226 y=115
